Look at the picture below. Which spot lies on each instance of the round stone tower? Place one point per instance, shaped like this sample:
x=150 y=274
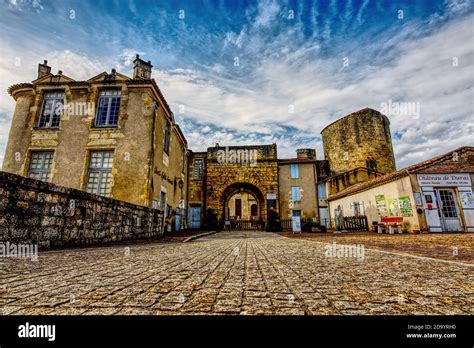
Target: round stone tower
x=361 y=139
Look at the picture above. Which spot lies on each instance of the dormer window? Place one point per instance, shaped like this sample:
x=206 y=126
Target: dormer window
x=51 y=111
x=108 y=110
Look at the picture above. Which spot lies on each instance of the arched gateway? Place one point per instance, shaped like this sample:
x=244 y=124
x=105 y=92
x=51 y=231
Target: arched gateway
x=238 y=182
x=242 y=201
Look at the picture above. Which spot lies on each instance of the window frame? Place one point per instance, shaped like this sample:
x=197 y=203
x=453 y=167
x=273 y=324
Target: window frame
x=163 y=199
x=199 y=178
x=323 y=186
x=55 y=96
x=114 y=93
x=297 y=171
x=293 y=194
x=101 y=171
x=41 y=171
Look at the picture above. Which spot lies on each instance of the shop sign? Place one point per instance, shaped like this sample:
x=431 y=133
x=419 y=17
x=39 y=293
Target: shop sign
x=444 y=179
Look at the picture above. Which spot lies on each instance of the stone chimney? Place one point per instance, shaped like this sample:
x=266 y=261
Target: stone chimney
x=43 y=69
x=306 y=154
x=141 y=69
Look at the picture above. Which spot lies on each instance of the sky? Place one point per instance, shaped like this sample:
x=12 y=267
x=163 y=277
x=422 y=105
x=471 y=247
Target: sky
x=262 y=72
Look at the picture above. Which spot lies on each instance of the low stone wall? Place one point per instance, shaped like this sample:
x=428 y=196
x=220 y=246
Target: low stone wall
x=32 y=211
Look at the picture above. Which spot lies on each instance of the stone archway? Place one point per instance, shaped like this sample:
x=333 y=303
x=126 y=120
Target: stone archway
x=250 y=216
x=224 y=178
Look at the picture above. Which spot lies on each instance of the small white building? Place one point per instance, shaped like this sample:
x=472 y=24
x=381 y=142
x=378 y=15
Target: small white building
x=433 y=196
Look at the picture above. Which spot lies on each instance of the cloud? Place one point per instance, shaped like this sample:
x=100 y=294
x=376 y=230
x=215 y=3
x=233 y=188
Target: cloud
x=320 y=91
x=290 y=82
x=267 y=12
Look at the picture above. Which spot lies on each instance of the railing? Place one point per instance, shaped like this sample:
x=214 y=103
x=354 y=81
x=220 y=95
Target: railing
x=287 y=224
x=356 y=223
x=244 y=225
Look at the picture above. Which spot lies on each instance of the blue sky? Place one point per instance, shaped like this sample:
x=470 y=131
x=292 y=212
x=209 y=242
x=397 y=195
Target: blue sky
x=301 y=64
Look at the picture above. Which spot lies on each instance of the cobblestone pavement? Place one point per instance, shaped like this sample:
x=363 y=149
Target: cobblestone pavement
x=446 y=246
x=232 y=273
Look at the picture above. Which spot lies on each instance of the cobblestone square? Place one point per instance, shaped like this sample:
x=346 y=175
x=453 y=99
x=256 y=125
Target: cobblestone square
x=235 y=273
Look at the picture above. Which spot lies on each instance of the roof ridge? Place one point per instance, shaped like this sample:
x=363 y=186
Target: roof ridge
x=398 y=173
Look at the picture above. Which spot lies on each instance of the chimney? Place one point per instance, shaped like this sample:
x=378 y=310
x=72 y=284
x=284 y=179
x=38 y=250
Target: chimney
x=141 y=69
x=43 y=69
x=306 y=154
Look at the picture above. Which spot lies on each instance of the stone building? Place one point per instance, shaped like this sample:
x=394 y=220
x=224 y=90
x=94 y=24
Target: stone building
x=226 y=179
x=431 y=196
x=110 y=135
x=297 y=179
x=116 y=136
x=358 y=148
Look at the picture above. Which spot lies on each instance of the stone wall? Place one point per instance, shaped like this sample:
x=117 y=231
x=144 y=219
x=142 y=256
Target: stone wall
x=33 y=211
x=350 y=141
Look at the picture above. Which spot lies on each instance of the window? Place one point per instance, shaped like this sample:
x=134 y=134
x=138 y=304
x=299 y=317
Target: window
x=296 y=193
x=322 y=191
x=100 y=173
x=163 y=200
x=40 y=165
x=295 y=173
x=108 y=110
x=371 y=164
x=166 y=144
x=296 y=213
x=197 y=170
x=357 y=209
x=51 y=111
x=156 y=204
x=448 y=205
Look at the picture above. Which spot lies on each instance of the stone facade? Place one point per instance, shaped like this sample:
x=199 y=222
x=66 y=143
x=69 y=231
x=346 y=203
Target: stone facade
x=152 y=166
x=37 y=212
x=305 y=181
x=223 y=176
x=142 y=168
x=224 y=179
x=358 y=146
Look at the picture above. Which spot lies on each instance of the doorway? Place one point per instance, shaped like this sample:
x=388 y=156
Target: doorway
x=448 y=210
x=195 y=216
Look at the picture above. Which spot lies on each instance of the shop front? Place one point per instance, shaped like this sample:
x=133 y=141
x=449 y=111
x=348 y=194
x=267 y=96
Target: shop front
x=447 y=201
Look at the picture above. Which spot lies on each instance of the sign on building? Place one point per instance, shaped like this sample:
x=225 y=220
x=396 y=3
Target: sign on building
x=381 y=205
x=444 y=179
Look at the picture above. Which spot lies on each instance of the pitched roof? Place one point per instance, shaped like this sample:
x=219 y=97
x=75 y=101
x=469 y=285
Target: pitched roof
x=398 y=174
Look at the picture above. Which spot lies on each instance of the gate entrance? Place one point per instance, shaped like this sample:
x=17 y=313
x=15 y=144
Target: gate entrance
x=243 y=204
